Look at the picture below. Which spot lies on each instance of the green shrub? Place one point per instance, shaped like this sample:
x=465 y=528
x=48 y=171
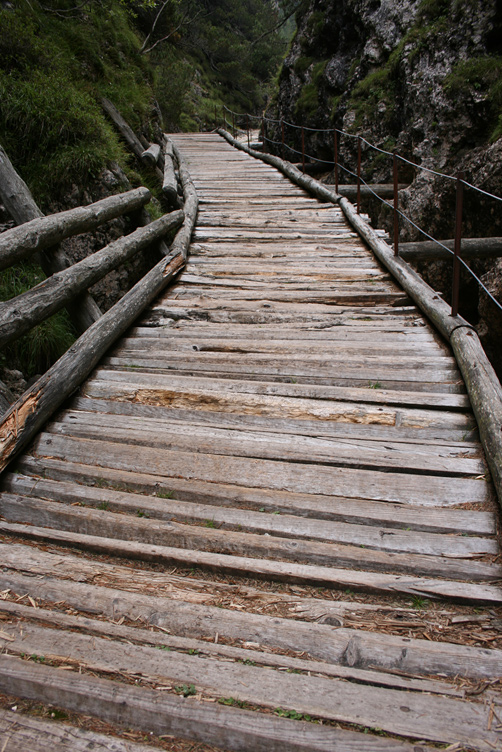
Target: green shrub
x=39 y=348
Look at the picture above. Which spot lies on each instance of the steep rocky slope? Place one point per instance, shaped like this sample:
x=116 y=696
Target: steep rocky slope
x=420 y=76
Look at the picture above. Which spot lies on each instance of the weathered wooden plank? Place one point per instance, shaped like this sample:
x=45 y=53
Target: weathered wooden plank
x=355 y=648
x=33 y=510
x=271 y=445
x=284 y=399
x=26 y=732
x=446 y=718
x=436 y=519
x=249 y=472
x=148 y=710
x=290 y=350
x=285 y=525
x=204 y=648
x=271 y=569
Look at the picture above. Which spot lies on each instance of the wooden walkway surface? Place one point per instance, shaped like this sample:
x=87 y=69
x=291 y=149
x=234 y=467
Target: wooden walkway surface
x=276 y=479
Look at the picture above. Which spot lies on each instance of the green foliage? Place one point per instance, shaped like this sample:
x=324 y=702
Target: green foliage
x=377 y=89
x=483 y=75
x=302 y=65
x=308 y=102
x=52 y=72
x=232 y=701
x=292 y=714
x=186 y=690
x=39 y=348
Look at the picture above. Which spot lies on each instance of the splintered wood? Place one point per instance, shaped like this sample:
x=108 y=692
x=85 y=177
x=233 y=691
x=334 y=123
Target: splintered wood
x=265 y=521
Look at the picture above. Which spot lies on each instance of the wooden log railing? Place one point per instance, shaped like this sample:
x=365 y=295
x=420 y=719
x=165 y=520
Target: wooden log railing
x=20 y=242
x=23 y=312
x=30 y=412
x=17 y=199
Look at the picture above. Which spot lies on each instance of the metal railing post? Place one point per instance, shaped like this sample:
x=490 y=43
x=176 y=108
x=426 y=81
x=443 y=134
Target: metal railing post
x=458 y=243
x=282 y=138
x=359 y=174
x=396 y=204
x=303 y=149
x=336 y=159
x=247 y=128
x=233 y=123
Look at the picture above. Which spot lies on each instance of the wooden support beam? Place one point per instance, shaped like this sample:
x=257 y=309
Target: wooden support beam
x=472 y=248
x=191 y=204
x=169 y=184
x=132 y=141
x=17 y=199
x=40 y=233
x=29 y=413
x=21 y=313
x=151 y=155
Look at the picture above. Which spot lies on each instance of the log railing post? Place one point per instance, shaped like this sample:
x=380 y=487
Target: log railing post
x=359 y=174
x=458 y=244
x=396 y=204
x=335 y=144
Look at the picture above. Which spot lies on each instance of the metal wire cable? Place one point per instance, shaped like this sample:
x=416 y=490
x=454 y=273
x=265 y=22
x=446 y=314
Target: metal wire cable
x=390 y=154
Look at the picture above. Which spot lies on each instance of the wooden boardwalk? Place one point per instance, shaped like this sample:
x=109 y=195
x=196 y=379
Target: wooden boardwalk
x=276 y=479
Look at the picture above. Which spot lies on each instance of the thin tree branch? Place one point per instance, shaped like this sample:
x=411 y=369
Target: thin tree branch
x=180 y=25
x=278 y=26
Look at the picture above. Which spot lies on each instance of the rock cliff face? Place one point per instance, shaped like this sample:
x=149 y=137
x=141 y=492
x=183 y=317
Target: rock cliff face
x=420 y=76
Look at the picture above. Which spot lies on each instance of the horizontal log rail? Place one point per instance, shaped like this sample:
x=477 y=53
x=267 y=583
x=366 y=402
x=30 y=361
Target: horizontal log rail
x=31 y=411
x=20 y=242
x=17 y=199
x=21 y=313
x=472 y=248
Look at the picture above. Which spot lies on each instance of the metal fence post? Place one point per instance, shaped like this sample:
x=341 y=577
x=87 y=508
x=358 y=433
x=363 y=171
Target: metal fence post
x=247 y=128
x=282 y=138
x=359 y=174
x=396 y=204
x=303 y=149
x=458 y=244
x=336 y=159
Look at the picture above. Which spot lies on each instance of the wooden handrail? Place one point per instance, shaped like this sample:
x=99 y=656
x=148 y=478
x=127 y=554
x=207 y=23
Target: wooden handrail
x=21 y=313
x=20 y=204
x=30 y=412
x=20 y=242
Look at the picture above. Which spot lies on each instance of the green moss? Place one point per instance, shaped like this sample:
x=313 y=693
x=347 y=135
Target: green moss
x=53 y=72
x=39 y=348
x=368 y=95
x=302 y=65
x=308 y=101
x=483 y=75
x=316 y=23
x=432 y=10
